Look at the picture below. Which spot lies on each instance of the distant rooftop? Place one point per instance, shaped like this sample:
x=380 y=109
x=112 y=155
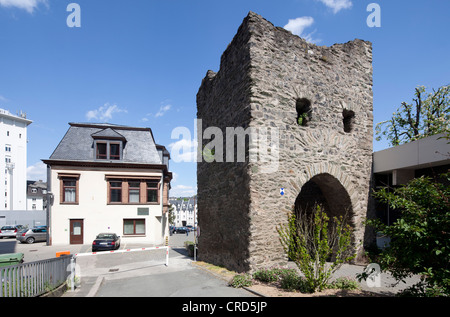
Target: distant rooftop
x=22 y=116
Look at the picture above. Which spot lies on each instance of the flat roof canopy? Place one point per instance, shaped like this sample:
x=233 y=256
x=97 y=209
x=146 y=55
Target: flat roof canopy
x=427 y=152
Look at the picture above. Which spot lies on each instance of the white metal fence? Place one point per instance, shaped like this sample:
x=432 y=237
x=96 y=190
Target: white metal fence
x=34 y=278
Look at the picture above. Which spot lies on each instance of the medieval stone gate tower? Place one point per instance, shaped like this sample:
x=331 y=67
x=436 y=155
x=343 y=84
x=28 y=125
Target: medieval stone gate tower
x=320 y=100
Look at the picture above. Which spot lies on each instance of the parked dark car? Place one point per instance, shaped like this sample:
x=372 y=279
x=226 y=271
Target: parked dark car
x=181 y=230
x=32 y=235
x=105 y=242
x=10 y=231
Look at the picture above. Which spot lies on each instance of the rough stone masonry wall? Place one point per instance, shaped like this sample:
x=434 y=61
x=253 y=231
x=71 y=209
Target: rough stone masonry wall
x=223 y=188
x=281 y=68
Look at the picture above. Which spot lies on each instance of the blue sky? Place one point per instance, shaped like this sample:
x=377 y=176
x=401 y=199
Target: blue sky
x=141 y=62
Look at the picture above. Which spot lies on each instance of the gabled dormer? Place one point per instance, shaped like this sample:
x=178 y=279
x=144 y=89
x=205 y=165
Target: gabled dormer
x=108 y=145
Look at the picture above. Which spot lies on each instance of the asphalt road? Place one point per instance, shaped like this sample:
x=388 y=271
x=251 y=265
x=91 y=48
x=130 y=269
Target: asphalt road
x=133 y=274
x=144 y=274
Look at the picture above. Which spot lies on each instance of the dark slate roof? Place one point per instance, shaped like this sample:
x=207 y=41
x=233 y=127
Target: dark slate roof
x=108 y=133
x=78 y=143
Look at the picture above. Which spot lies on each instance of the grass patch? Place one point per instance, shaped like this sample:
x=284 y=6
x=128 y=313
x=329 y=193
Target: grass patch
x=218 y=270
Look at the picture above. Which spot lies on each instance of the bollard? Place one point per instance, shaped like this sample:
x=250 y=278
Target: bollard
x=167 y=256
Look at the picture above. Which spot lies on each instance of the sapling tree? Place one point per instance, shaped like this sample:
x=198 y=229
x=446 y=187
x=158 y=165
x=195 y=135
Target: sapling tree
x=311 y=240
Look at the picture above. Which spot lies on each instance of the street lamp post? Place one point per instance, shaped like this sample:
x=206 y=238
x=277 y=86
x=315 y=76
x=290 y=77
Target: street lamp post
x=49 y=196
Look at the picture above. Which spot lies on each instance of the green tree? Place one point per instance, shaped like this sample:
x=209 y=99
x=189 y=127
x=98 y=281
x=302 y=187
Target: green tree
x=312 y=240
x=427 y=115
x=171 y=216
x=420 y=238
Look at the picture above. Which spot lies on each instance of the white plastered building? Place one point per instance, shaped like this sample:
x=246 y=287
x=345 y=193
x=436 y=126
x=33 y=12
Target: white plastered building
x=13 y=160
x=108 y=178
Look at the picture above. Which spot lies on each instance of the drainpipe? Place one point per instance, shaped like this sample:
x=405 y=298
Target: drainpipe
x=49 y=204
x=161 y=194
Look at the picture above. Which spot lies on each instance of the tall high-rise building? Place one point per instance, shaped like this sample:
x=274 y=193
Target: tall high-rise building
x=13 y=160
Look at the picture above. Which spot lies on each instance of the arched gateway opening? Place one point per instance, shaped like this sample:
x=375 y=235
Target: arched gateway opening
x=326 y=191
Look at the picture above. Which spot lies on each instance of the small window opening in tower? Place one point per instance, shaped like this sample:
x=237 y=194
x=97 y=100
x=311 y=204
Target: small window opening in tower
x=303 y=107
x=349 y=120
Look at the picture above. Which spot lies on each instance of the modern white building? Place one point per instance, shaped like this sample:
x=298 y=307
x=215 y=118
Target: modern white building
x=13 y=160
x=398 y=165
x=108 y=178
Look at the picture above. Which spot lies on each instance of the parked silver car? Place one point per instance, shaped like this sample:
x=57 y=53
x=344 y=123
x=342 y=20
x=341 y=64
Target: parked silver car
x=10 y=231
x=32 y=235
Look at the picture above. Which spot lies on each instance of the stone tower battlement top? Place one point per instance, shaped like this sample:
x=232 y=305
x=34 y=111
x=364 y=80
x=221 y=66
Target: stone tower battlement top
x=265 y=62
x=256 y=25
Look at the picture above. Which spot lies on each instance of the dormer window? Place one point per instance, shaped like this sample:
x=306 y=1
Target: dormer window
x=108 y=145
x=108 y=150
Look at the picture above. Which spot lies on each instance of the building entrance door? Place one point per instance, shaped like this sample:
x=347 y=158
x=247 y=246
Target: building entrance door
x=76 y=231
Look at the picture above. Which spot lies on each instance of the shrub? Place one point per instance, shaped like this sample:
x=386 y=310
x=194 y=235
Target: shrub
x=189 y=246
x=266 y=275
x=271 y=275
x=241 y=280
x=292 y=281
x=311 y=240
x=344 y=283
x=420 y=241
x=423 y=290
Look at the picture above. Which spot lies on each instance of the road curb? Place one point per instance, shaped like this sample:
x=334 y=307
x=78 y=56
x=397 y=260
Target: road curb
x=96 y=287
x=254 y=292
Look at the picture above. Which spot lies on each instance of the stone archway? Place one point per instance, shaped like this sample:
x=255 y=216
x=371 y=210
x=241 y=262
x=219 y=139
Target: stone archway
x=327 y=191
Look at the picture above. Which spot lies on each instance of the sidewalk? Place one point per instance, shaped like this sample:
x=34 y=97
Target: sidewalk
x=386 y=287
x=137 y=275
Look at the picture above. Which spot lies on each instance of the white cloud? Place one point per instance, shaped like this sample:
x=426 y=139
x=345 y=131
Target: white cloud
x=182 y=191
x=28 y=5
x=104 y=113
x=1 y=97
x=37 y=172
x=298 y=25
x=337 y=5
x=163 y=110
x=183 y=150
